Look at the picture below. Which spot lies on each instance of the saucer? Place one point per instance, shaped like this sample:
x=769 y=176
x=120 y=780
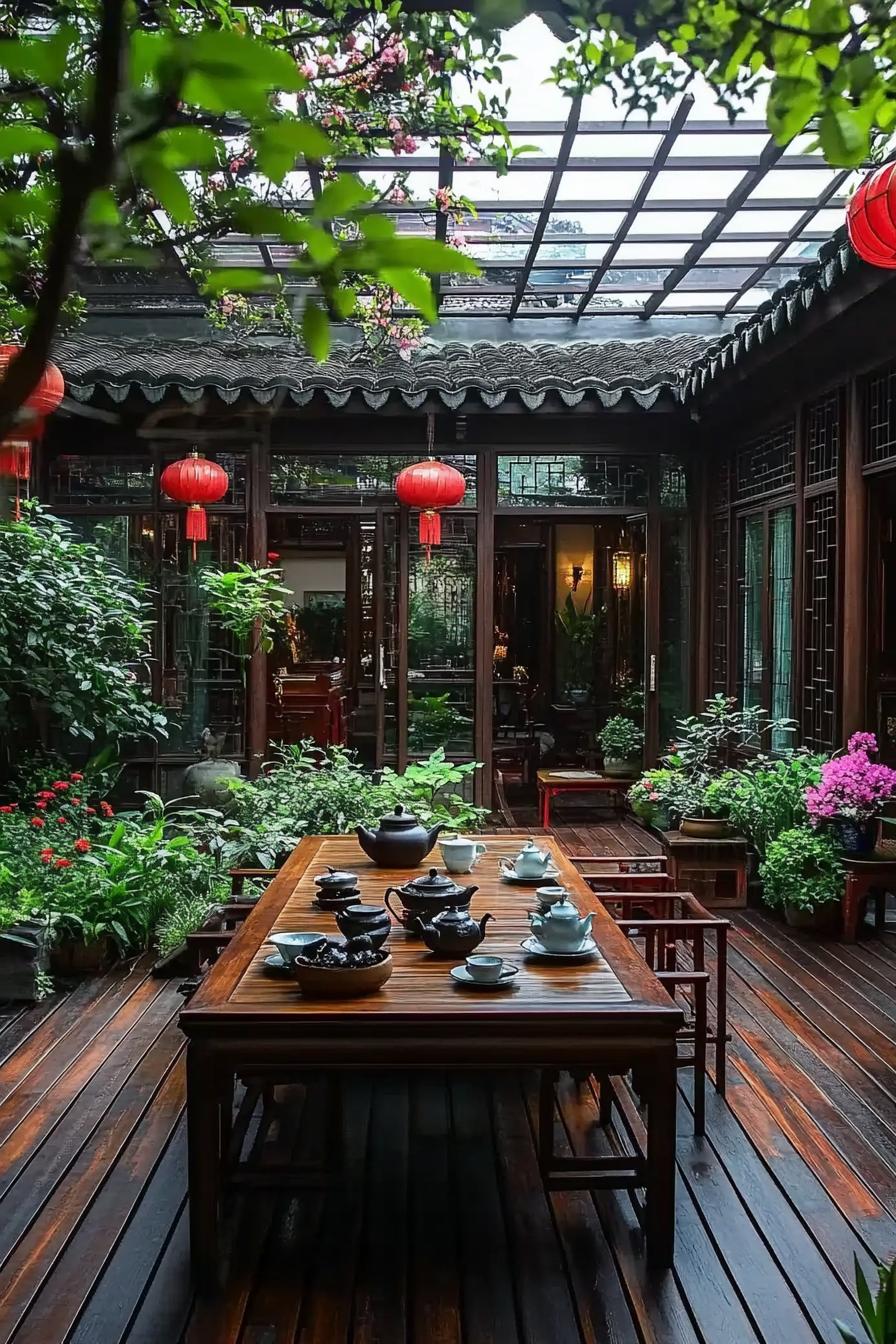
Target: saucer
x=543 y=881
x=537 y=949
x=463 y=977
x=275 y=965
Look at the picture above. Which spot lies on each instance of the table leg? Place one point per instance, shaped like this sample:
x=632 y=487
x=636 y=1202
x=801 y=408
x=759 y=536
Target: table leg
x=721 y=1006
x=204 y=1157
x=659 y=1219
x=850 y=908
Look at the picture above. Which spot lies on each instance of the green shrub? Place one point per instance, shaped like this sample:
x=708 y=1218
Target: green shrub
x=621 y=738
x=768 y=797
x=802 y=869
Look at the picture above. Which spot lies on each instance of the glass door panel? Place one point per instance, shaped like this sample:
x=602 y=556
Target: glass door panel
x=780 y=588
x=751 y=670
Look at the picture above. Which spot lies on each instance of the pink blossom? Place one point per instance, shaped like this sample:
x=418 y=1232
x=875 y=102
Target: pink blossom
x=852 y=786
x=398 y=196
x=308 y=69
x=862 y=742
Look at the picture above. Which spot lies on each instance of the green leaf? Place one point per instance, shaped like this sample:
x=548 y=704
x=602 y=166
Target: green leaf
x=341 y=196
x=279 y=144
x=21 y=138
x=237 y=279
x=42 y=59
x=316 y=330
x=377 y=227
x=102 y=210
x=843 y=133
x=168 y=189
x=414 y=288
x=187 y=147
x=228 y=55
x=425 y=254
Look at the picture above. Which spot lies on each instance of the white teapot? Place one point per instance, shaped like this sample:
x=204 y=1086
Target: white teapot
x=561 y=928
x=530 y=862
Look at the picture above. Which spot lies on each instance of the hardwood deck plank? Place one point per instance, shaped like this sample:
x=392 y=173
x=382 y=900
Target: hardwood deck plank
x=54 y=1293
x=381 y=1284
x=436 y=1216
x=23 y=1021
x=49 y=1138
x=163 y=1311
x=486 y=1280
x=545 y=1305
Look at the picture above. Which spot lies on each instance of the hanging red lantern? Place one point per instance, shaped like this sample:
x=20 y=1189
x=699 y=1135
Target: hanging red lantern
x=195 y=481
x=871 y=218
x=15 y=461
x=43 y=399
x=430 y=486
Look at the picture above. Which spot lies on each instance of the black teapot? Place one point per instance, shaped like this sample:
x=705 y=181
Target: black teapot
x=452 y=933
x=400 y=842
x=427 y=896
x=370 y=920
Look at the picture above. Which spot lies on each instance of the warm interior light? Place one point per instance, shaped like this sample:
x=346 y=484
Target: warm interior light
x=622 y=571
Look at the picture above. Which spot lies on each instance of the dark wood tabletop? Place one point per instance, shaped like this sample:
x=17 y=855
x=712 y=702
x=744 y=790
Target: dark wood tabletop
x=616 y=986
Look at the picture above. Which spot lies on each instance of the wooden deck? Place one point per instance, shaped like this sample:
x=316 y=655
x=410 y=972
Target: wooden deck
x=442 y=1234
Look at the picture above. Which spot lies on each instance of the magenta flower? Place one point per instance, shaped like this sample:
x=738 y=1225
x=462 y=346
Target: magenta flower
x=852 y=787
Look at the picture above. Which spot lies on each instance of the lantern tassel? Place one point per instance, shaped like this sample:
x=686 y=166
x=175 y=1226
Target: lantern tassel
x=197 y=526
x=430 y=531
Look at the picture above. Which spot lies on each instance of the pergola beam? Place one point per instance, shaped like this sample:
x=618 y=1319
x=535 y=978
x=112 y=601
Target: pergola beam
x=550 y=196
x=663 y=151
x=795 y=233
x=446 y=178
x=736 y=201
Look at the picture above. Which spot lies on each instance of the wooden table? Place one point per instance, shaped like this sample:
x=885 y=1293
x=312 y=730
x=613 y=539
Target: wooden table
x=609 y=1016
x=552 y=782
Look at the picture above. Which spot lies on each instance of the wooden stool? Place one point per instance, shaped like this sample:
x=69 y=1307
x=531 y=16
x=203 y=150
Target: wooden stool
x=689 y=857
x=863 y=876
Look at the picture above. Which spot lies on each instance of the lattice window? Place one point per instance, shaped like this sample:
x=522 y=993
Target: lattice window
x=673 y=483
x=818 y=711
x=100 y=480
x=767 y=463
x=719 y=614
x=880 y=442
x=351 y=478
x=533 y=480
x=822 y=439
x=751 y=578
x=720 y=482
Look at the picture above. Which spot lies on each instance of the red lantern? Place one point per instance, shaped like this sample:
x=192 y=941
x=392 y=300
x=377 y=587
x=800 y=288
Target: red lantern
x=430 y=486
x=871 y=218
x=195 y=481
x=15 y=452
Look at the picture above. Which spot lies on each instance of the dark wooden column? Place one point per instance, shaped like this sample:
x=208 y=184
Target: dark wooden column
x=855 y=618
x=486 y=492
x=701 y=554
x=797 y=614
x=257 y=679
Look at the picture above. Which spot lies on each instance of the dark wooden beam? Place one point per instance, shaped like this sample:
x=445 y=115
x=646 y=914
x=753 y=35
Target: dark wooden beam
x=446 y=177
x=736 y=201
x=550 y=197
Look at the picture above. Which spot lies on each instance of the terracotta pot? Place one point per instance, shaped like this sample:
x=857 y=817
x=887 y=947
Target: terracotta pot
x=341 y=982
x=705 y=828
x=823 y=919
x=75 y=957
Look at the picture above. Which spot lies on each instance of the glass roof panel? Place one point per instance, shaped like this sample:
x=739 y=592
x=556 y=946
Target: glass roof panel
x=581 y=221
x=630 y=298
x=652 y=253
x=568 y=251
x=609 y=185
x=630 y=144
x=683 y=223
x=737 y=251
x=699 y=184
x=679 y=301
x=742 y=144
x=794 y=184
x=489 y=188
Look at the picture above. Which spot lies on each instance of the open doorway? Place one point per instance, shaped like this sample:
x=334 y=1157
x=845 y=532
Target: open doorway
x=570 y=613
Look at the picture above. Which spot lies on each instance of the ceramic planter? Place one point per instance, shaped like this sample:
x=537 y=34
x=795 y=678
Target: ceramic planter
x=23 y=956
x=620 y=767
x=705 y=828
x=823 y=919
x=854 y=837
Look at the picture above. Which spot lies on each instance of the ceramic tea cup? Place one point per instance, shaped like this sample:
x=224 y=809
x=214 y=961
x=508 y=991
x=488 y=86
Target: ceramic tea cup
x=549 y=895
x=292 y=945
x=485 y=969
x=459 y=854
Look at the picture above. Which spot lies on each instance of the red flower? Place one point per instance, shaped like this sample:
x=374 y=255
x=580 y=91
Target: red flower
x=273 y=557
x=60 y=785
x=76 y=776
x=82 y=845
x=38 y=822
x=76 y=801
x=91 y=811
x=62 y=821
x=46 y=856
x=46 y=793
x=7 y=807
x=40 y=804
x=63 y=863
x=106 y=810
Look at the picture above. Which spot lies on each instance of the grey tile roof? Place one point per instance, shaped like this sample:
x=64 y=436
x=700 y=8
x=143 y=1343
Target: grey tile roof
x=490 y=370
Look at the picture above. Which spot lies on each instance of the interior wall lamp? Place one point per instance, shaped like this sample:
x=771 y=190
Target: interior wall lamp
x=622 y=571
x=575 y=574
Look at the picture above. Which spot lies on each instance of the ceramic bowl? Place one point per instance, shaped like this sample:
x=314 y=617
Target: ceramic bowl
x=292 y=945
x=341 y=982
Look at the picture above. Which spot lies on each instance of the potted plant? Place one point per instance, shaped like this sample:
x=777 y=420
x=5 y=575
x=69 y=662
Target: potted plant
x=579 y=628
x=23 y=942
x=802 y=875
x=704 y=809
x=621 y=741
x=851 y=794
x=650 y=798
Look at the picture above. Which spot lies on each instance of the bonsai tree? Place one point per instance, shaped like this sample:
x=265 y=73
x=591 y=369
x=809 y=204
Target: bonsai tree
x=621 y=739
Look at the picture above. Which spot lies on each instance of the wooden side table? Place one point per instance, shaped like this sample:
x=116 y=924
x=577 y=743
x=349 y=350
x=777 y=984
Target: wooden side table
x=688 y=857
x=552 y=782
x=869 y=875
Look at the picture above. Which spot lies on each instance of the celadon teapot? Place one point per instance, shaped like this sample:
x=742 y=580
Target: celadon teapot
x=531 y=861
x=561 y=928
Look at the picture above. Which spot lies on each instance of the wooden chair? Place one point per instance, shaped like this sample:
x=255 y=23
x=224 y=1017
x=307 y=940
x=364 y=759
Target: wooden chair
x=661 y=920
x=506 y=814
x=647 y=873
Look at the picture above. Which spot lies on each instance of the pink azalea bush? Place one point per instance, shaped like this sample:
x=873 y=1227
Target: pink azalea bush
x=852 y=786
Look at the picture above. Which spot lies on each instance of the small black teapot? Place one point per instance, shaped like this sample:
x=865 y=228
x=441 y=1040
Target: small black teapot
x=452 y=933
x=400 y=842
x=427 y=896
x=370 y=920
